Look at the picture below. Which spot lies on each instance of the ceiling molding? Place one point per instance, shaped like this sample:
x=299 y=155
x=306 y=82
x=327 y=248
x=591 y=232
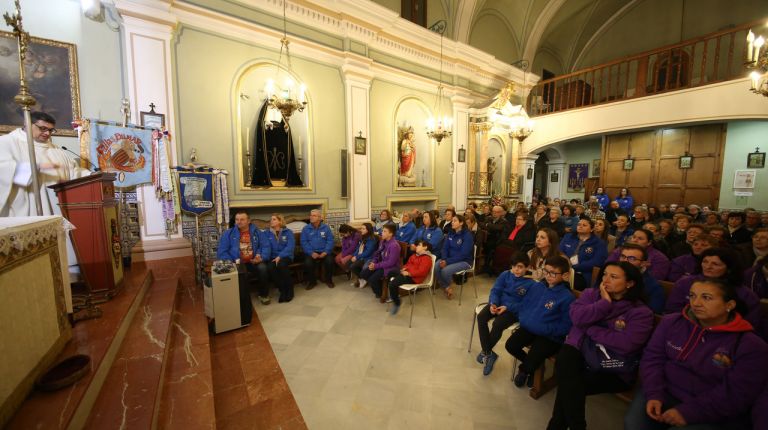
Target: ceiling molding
x=503 y=18
x=536 y=33
x=600 y=31
x=464 y=19
x=576 y=39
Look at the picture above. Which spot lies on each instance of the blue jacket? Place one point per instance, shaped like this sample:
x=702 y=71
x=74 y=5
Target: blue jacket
x=621 y=238
x=626 y=203
x=592 y=252
x=229 y=244
x=405 y=233
x=544 y=311
x=509 y=290
x=603 y=200
x=365 y=248
x=458 y=247
x=654 y=294
x=318 y=239
x=433 y=235
x=282 y=247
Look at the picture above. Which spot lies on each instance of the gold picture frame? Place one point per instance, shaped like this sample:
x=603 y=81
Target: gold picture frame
x=52 y=77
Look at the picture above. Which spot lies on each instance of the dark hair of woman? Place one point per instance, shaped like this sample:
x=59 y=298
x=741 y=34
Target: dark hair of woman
x=631 y=274
x=462 y=220
x=733 y=264
x=432 y=219
x=648 y=234
x=554 y=250
x=369 y=231
x=729 y=293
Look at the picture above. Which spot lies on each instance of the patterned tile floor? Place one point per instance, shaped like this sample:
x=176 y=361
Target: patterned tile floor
x=349 y=364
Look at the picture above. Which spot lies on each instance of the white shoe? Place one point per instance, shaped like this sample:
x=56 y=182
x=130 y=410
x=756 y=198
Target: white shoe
x=363 y=283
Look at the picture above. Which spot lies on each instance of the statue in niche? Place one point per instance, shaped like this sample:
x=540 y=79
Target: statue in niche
x=274 y=161
x=407 y=155
x=492 y=166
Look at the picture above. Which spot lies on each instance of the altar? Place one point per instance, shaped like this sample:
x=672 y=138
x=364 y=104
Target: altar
x=34 y=298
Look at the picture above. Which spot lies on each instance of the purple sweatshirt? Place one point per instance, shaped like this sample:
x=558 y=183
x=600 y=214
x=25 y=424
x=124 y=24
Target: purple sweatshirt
x=387 y=256
x=683 y=265
x=678 y=299
x=622 y=326
x=659 y=267
x=702 y=368
x=349 y=243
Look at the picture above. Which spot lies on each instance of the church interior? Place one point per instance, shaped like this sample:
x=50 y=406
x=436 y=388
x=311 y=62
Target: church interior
x=343 y=111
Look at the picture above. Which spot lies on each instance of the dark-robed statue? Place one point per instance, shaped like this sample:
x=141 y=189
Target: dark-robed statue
x=274 y=160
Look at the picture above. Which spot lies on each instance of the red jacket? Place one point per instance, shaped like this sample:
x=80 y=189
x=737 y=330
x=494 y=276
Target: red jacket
x=418 y=266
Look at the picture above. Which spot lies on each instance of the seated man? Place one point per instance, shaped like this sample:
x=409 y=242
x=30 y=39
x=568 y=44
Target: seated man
x=245 y=244
x=637 y=256
x=317 y=244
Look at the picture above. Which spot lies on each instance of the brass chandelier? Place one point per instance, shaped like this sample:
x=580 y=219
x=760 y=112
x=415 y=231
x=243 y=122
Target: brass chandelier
x=439 y=127
x=283 y=102
x=757 y=61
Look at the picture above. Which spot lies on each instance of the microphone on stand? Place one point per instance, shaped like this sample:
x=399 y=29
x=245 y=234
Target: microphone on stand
x=95 y=168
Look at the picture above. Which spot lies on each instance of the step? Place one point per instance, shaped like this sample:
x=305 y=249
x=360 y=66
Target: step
x=100 y=339
x=187 y=399
x=133 y=386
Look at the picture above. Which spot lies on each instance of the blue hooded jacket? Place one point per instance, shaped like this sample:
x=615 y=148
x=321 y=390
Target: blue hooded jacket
x=544 y=311
x=433 y=235
x=509 y=290
x=365 y=248
x=592 y=252
x=406 y=232
x=229 y=244
x=283 y=245
x=603 y=200
x=626 y=203
x=317 y=239
x=458 y=247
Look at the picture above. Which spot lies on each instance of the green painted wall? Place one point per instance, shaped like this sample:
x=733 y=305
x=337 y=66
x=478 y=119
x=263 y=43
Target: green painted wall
x=741 y=138
x=204 y=85
x=385 y=97
x=98 y=55
x=580 y=151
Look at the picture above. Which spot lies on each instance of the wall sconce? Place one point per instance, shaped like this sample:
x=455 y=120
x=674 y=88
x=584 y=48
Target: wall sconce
x=530 y=173
x=462 y=154
x=102 y=11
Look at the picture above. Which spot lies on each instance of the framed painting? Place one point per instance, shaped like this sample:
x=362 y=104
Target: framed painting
x=52 y=77
x=360 y=147
x=629 y=164
x=596 y=168
x=756 y=160
x=744 y=179
x=152 y=119
x=686 y=162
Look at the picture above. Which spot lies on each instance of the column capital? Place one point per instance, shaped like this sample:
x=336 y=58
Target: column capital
x=357 y=70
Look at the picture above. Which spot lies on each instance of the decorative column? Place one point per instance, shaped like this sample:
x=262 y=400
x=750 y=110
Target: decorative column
x=149 y=73
x=462 y=139
x=483 y=170
x=357 y=85
x=472 y=158
x=527 y=162
x=555 y=189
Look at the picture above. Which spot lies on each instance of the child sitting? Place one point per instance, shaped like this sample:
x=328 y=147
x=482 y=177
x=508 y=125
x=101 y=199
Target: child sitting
x=414 y=272
x=544 y=320
x=503 y=306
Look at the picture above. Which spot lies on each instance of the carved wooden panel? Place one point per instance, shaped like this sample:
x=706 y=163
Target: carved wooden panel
x=657 y=176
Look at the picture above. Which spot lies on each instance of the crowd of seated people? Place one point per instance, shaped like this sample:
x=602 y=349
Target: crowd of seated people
x=583 y=285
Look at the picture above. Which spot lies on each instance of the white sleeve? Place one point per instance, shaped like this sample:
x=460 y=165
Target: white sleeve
x=22 y=175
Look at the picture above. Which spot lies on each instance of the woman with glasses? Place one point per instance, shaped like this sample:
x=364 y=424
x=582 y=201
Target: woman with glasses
x=613 y=316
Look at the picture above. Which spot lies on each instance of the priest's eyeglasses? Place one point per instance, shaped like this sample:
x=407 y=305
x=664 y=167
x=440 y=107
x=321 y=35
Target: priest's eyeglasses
x=45 y=129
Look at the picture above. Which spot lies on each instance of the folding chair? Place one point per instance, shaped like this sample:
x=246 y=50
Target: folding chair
x=428 y=283
x=479 y=308
x=462 y=275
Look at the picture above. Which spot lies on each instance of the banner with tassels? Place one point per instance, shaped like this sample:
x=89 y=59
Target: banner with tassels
x=126 y=151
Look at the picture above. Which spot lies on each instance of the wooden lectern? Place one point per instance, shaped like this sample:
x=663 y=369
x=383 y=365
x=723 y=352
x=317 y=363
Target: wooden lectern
x=89 y=203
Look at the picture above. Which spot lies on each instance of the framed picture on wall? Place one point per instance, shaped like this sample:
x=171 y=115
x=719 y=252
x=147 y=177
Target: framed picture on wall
x=554 y=177
x=152 y=119
x=744 y=179
x=596 y=168
x=360 y=147
x=52 y=77
x=686 y=162
x=629 y=164
x=756 y=160
x=462 y=155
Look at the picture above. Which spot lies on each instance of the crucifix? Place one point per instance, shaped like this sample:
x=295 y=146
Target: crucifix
x=24 y=98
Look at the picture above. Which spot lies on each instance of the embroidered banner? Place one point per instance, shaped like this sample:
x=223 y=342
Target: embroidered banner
x=196 y=192
x=577 y=173
x=125 y=151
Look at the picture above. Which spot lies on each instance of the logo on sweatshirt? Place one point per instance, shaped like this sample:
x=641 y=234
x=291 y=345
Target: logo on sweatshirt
x=322 y=234
x=549 y=305
x=521 y=291
x=429 y=235
x=721 y=359
x=458 y=241
x=588 y=251
x=620 y=324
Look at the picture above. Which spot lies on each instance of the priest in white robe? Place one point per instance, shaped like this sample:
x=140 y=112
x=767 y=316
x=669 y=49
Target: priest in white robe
x=54 y=165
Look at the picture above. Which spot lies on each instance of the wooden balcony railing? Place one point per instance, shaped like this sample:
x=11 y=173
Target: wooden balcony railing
x=704 y=60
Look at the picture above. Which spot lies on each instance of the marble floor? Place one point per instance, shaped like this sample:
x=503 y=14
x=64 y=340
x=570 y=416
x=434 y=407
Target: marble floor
x=349 y=364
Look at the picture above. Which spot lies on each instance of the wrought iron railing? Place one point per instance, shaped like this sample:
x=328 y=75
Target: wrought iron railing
x=714 y=57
